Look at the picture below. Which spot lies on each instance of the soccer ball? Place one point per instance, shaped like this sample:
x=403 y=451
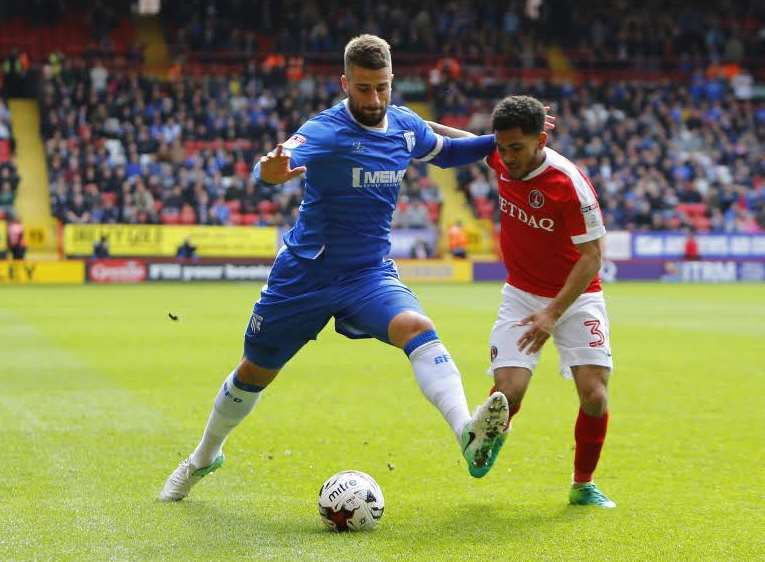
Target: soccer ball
x=351 y=501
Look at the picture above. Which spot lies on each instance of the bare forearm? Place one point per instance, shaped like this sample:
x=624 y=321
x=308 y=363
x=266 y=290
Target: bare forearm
x=578 y=279
x=450 y=132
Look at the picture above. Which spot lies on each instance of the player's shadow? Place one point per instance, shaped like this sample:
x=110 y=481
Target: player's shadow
x=203 y=517
x=208 y=521
x=479 y=518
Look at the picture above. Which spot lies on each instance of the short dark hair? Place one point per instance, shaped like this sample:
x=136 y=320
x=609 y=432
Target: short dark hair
x=367 y=51
x=524 y=112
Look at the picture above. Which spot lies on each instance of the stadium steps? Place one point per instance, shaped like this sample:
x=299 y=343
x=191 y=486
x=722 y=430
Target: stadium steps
x=454 y=206
x=156 y=55
x=33 y=197
x=557 y=61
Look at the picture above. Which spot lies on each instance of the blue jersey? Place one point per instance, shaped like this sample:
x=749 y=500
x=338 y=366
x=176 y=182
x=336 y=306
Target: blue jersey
x=352 y=182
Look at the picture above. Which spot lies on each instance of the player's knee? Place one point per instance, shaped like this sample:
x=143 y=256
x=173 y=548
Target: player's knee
x=512 y=392
x=512 y=382
x=594 y=400
x=406 y=326
x=252 y=374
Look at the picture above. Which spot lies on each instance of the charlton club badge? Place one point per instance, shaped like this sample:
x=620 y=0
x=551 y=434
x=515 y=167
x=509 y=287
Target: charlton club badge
x=536 y=199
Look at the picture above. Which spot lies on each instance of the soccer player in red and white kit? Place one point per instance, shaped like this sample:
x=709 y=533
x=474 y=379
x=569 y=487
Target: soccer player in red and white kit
x=551 y=230
x=551 y=233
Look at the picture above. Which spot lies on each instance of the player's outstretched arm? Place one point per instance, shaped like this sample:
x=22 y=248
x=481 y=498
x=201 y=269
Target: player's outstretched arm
x=274 y=167
x=462 y=151
x=446 y=131
x=454 y=133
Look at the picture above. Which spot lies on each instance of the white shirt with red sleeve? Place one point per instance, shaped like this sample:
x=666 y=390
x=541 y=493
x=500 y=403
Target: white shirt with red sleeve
x=542 y=217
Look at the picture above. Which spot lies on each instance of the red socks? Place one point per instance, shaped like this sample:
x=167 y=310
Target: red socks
x=590 y=433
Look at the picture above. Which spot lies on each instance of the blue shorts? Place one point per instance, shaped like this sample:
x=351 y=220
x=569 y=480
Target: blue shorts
x=302 y=295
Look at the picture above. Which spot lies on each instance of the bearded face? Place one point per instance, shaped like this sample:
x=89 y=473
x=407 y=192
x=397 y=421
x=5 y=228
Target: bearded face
x=368 y=94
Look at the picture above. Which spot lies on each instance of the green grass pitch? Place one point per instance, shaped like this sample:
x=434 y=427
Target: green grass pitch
x=101 y=395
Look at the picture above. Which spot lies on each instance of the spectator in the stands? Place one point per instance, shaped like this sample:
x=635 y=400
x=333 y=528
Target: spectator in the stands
x=17 y=244
x=414 y=214
x=186 y=251
x=77 y=211
x=691 y=247
x=7 y=197
x=220 y=213
x=101 y=248
x=420 y=250
x=457 y=238
x=144 y=201
x=173 y=201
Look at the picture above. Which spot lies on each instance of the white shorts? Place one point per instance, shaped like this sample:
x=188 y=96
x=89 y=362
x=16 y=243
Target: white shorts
x=581 y=335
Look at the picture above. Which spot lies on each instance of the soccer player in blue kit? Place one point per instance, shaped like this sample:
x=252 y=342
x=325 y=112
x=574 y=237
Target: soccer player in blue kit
x=354 y=156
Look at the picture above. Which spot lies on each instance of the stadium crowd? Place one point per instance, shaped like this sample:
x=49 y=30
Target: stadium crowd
x=123 y=147
x=126 y=148
x=662 y=155
x=9 y=177
x=594 y=34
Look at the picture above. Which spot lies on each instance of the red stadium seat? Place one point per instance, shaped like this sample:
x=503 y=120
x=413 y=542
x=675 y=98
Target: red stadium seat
x=434 y=210
x=234 y=205
x=109 y=197
x=692 y=210
x=456 y=121
x=5 y=150
x=170 y=218
x=701 y=223
x=484 y=208
x=188 y=216
x=266 y=207
x=250 y=218
x=241 y=169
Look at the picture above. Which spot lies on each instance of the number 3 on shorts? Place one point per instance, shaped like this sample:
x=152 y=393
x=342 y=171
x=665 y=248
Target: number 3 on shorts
x=594 y=326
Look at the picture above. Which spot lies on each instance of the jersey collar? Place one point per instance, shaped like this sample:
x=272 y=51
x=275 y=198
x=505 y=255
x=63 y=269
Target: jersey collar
x=382 y=129
x=539 y=169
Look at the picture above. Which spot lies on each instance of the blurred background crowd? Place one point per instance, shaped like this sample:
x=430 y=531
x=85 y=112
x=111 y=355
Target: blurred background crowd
x=658 y=103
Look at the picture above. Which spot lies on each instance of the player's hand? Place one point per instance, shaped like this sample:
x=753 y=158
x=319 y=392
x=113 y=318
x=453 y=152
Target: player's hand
x=541 y=325
x=549 y=119
x=275 y=167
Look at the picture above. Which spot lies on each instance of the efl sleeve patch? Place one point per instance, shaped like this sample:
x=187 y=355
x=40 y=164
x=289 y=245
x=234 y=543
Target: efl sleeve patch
x=293 y=142
x=592 y=216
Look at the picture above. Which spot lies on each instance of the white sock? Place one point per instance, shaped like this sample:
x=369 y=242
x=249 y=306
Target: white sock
x=232 y=404
x=441 y=382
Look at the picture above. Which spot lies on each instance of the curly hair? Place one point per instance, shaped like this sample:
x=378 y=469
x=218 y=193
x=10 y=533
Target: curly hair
x=524 y=112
